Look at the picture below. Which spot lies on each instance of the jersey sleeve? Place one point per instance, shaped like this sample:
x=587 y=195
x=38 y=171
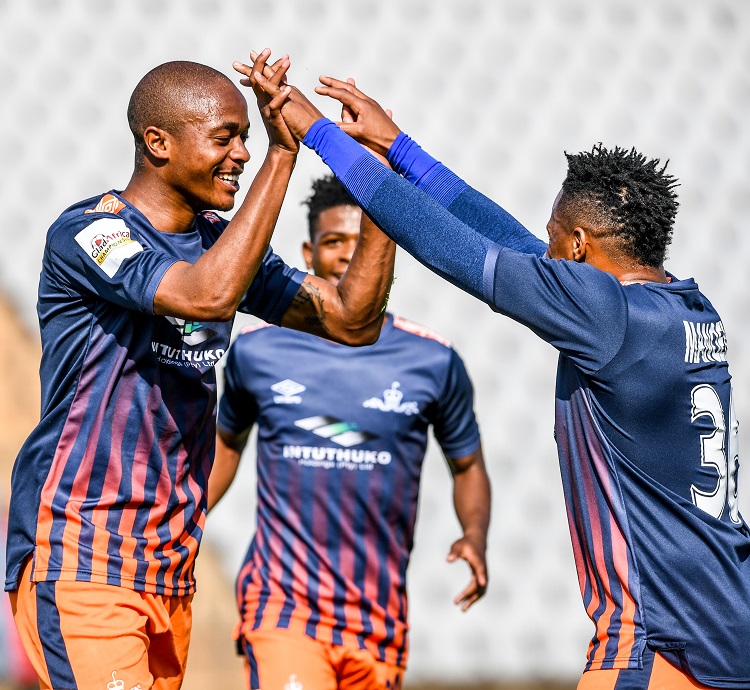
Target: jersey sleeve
x=467 y=204
x=272 y=290
x=455 y=425
x=238 y=409
x=577 y=308
x=106 y=258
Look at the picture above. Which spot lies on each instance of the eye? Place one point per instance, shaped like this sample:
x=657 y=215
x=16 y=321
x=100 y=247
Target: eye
x=224 y=141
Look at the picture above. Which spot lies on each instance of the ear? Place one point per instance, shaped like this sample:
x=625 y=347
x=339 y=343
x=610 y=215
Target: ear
x=307 y=253
x=580 y=243
x=157 y=143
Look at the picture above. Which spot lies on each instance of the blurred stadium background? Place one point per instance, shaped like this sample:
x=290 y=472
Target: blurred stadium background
x=496 y=89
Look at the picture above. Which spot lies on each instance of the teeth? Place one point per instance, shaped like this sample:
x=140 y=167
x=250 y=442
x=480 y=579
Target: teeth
x=229 y=178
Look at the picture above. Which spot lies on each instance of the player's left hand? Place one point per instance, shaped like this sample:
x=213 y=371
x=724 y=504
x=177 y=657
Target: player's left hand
x=471 y=550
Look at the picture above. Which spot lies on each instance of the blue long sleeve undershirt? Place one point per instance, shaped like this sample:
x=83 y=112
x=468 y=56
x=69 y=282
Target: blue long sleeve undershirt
x=416 y=219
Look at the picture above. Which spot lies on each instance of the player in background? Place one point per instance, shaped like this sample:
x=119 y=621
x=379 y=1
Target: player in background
x=137 y=294
x=645 y=426
x=342 y=433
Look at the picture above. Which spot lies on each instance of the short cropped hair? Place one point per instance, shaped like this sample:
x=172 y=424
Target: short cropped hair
x=166 y=97
x=624 y=195
x=327 y=192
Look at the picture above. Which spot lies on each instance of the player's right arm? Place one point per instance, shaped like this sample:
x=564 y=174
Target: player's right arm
x=229 y=449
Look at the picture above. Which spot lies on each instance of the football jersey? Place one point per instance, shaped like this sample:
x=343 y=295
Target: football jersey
x=342 y=433
x=647 y=441
x=109 y=487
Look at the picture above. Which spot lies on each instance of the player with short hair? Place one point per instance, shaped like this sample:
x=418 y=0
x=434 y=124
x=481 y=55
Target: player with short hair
x=137 y=294
x=342 y=433
x=645 y=427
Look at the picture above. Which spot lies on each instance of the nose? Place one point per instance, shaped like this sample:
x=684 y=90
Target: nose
x=348 y=250
x=239 y=152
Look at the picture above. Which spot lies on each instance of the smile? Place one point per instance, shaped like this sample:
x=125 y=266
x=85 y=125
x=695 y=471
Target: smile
x=231 y=179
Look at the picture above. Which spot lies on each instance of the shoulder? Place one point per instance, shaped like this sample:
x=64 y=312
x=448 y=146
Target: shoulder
x=420 y=331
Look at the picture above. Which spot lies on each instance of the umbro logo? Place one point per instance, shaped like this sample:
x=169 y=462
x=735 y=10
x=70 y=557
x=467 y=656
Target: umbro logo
x=288 y=392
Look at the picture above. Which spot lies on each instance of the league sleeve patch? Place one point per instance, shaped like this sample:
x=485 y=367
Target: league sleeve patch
x=107 y=242
x=107 y=204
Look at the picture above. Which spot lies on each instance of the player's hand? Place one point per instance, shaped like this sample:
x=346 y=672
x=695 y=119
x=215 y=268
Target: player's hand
x=471 y=550
x=361 y=117
x=298 y=112
x=271 y=92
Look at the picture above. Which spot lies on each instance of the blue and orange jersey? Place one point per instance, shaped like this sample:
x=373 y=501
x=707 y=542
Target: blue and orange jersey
x=647 y=440
x=342 y=434
x=109 y=487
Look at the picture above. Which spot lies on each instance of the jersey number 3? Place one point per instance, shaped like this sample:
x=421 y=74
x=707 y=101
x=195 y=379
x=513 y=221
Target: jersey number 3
x=706 y=403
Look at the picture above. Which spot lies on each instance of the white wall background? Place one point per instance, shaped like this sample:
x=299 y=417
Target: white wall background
x=497 y=89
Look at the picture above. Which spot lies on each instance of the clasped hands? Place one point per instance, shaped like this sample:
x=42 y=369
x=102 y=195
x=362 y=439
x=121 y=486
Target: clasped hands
x=288 y=114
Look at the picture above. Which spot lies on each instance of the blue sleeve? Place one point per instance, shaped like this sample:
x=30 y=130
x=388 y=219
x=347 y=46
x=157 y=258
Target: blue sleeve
x=405 y=213
x=464 y=202
x=577 y=308
x=272 y=290
x=455 y=426
x=104 y=257
x=238 y=409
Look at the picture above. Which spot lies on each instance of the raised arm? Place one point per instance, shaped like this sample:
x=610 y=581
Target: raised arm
x=471 y=500
x=373 y=127
x=351 y=312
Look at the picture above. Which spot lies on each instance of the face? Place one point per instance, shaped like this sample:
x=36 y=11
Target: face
x=561 y=238
x=336 y=235
x=208 y=154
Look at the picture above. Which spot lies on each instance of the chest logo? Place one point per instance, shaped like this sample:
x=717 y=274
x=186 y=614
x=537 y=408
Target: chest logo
x=392 y=402
x=288 y=392
x=191 y=332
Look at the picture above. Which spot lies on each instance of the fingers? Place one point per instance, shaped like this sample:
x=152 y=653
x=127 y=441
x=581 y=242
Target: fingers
x=478 y=585
x=276 y=72
x=347 y=85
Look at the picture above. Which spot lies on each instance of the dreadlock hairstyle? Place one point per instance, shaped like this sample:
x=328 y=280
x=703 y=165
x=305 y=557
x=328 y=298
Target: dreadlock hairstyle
x=625 y=196
x=327 y=192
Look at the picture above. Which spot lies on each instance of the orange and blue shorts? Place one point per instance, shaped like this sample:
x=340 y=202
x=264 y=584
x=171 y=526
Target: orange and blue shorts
x=657 y=674
x=282 y=659
x=81 y=635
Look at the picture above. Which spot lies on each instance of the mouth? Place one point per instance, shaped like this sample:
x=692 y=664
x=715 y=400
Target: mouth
x=231 y=180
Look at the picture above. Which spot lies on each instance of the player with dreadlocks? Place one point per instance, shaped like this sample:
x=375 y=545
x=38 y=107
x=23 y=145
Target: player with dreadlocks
x=646 y=435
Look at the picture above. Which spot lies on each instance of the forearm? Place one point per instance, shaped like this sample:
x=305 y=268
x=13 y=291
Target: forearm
x=415 y=221
x=212 y=287
x=472 y=499
x=464 y=202
x=224 y=469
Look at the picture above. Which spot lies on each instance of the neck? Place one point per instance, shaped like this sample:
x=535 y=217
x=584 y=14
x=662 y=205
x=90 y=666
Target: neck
x=164 y=208
x=644 y=274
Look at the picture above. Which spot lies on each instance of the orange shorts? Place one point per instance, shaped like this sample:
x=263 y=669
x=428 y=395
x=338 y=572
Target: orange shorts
x=80 y=635
x=280 y=659
x=657 y=674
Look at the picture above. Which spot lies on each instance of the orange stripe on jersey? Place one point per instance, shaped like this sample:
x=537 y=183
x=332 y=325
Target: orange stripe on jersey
x=626 y=640
x=417 y=329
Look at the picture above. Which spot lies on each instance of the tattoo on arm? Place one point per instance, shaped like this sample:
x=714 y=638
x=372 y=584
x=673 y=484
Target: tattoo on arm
x=310 y=303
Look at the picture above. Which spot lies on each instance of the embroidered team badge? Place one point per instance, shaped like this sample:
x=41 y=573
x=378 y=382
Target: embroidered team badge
x=107 y=243
x=392 y=402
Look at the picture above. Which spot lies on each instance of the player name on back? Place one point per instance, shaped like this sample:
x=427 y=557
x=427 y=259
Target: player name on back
x=705 y=342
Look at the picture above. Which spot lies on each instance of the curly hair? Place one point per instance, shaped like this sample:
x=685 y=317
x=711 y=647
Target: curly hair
x=624 y=195
x=327 y=192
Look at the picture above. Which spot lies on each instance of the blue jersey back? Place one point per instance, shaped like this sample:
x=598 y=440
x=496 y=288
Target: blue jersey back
x=647 y=440
x=342 y=433
x=109 y=486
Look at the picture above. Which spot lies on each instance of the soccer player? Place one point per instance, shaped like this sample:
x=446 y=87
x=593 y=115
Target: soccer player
x=645 y=427
x=137 y=294
x=342 y=434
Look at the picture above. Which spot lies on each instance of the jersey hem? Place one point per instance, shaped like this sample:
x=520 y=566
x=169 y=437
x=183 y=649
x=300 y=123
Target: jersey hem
x=137 y=585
